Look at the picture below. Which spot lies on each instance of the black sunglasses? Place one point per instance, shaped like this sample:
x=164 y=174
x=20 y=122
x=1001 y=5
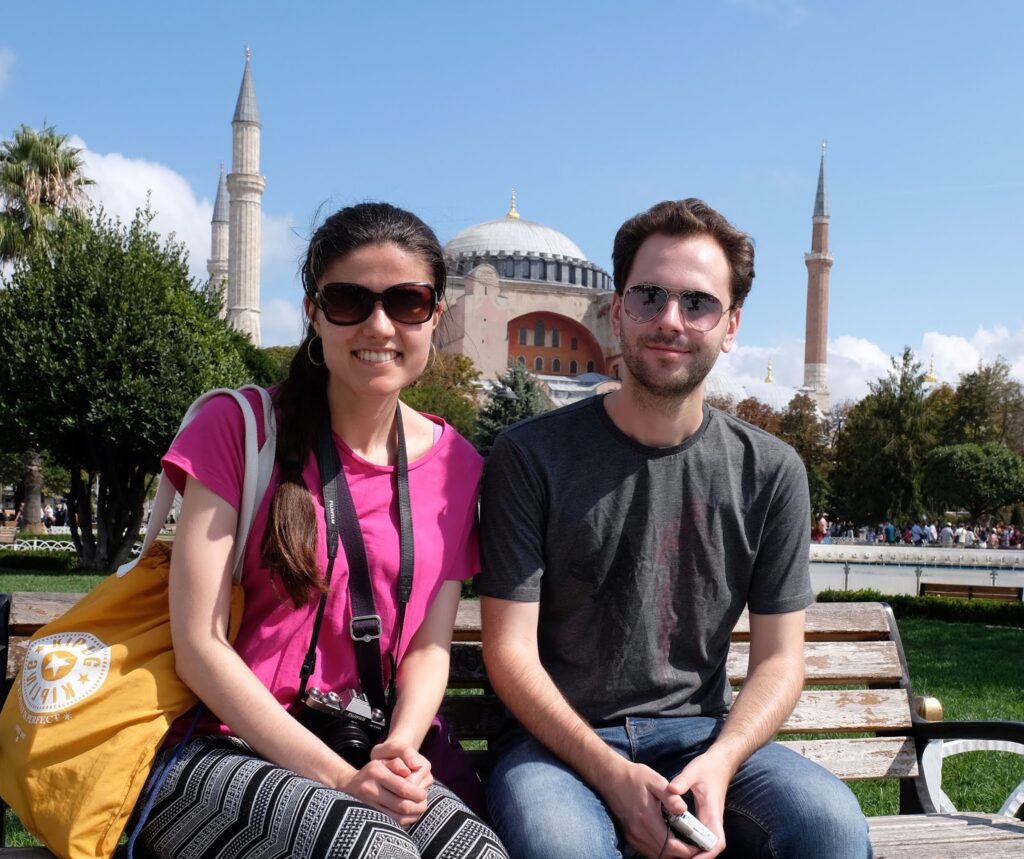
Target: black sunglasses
x=352 y=303
x=645 y=301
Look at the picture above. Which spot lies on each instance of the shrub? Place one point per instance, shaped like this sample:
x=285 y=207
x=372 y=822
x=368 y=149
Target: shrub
x=39 y=560
x=990 y=612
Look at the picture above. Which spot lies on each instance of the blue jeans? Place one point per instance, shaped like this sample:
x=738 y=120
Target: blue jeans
x=778 y=805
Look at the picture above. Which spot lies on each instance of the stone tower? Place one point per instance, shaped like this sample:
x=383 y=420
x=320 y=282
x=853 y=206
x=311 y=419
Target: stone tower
x=245 y=187
x=217 y=264
x=818 y=261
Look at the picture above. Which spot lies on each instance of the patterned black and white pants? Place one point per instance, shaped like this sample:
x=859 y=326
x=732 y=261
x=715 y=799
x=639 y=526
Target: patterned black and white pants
x=221 y=800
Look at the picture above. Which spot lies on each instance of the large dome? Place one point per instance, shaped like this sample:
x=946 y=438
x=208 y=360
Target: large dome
x=512 y=234
x=523 y=251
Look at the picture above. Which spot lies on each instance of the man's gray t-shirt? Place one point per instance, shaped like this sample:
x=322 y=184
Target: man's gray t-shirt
x=642 y=558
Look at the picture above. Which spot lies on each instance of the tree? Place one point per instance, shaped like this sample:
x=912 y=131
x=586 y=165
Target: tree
x=41 y=178
x=448 y=389
x=979 y=478
x=802 y=427
x=988 y=405
x=281 y=356
x=881 y=448
x=106 y=342
x=753 y=411
x=501 y=410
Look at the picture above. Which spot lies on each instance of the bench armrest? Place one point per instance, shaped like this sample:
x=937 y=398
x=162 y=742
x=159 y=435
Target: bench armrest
x=939 y=740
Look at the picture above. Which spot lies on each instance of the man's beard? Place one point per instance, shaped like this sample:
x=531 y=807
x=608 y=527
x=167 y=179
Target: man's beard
x=659 y=384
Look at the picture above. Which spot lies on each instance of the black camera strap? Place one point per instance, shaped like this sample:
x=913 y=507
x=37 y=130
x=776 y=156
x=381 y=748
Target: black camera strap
x=342 y=522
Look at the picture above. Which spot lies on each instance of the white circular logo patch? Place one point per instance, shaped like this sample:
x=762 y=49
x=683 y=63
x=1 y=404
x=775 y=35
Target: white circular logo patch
x=62 y=670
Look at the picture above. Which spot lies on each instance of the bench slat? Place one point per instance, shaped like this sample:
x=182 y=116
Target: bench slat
x=829 y=711
x=936 y=830
x=834 y=622
x=861 y=757
x=30 y=611
x=833 y=662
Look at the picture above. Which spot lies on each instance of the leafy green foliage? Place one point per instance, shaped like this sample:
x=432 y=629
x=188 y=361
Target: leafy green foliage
x=281 y=356
x=448 y=389
x=106 y=342
x=979 y=478
x=979 y=611
x=988 y=406
x=881 y=448
x=500 y=410
x=40 y=177
x=801 y=426
x=38 y=560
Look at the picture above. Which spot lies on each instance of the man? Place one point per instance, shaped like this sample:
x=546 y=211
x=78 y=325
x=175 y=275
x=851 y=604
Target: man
x=622 y=537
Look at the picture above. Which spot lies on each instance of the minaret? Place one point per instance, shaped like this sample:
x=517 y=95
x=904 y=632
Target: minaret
x=245 y=186
x=217 y=264
x=818 y=261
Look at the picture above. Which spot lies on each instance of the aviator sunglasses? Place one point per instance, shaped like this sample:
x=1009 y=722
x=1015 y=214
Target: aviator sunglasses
x=352 y=303
x=645 y=301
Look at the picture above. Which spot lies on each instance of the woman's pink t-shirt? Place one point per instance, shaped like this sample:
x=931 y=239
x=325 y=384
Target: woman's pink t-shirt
x=274 y=635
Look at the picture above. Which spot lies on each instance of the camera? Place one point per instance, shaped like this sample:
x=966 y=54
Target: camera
x=691 y=830
x=346 y=722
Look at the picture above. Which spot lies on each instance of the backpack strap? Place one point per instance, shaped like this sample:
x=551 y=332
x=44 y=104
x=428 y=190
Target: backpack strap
x=259 y=465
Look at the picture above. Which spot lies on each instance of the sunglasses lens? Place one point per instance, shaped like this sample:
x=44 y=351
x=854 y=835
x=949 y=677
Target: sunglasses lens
x=644 y=301
x=410 y=303
x=700 y=310
x=346 y=303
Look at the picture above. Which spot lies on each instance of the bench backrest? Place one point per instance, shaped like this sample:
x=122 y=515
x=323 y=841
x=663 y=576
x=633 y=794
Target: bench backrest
x=7 y=535
x=856 y=683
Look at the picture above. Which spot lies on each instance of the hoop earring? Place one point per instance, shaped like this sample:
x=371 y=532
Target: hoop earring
x=309 y=351
x=431 y=358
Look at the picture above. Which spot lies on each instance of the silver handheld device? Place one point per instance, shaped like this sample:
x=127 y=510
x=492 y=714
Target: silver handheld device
x=690 y=829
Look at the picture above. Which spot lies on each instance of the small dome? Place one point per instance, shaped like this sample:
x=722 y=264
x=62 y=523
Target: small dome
x=512 y=235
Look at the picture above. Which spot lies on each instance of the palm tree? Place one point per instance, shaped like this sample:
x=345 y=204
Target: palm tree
x=41 y=178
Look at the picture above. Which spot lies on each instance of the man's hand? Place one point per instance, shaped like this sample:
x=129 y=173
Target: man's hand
x=637 y=795
x=707 y=777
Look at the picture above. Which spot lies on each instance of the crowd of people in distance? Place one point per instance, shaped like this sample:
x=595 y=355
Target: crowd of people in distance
x=995 y=535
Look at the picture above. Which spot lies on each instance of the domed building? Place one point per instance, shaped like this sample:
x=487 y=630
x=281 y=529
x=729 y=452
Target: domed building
x=522 y=291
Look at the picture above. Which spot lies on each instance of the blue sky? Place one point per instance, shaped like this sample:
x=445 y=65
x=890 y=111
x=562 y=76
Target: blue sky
x=592 y=112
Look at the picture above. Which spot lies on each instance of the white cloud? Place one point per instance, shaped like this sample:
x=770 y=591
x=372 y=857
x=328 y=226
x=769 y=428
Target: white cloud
x=853 y=362
x=281 y=322
x=6 y=64
x=122 y=184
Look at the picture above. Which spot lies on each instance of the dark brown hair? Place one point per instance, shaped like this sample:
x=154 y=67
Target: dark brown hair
x=289 y=540
x=689 y=217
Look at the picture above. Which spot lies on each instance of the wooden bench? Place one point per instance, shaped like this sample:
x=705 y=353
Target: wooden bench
x=971 y=592
x=7 y=535
x=857 y=692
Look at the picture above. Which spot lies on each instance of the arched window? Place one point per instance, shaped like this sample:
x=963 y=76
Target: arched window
x=590 y=366
x=574 y=344
x=573 y=368
x=508 y=267
x=556 y=337
x=522 y=335
x=538 y=333
x=521 y=360
x=538 y=364
x=556 y=366
x=524 y=269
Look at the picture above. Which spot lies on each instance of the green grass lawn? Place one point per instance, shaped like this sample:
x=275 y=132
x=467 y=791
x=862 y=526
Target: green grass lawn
x=976 y=672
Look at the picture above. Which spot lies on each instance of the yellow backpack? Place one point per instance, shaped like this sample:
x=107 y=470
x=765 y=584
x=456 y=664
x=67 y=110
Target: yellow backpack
x=98 y=691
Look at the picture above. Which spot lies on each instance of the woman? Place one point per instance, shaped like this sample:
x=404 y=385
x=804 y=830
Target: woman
x=256 y=781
